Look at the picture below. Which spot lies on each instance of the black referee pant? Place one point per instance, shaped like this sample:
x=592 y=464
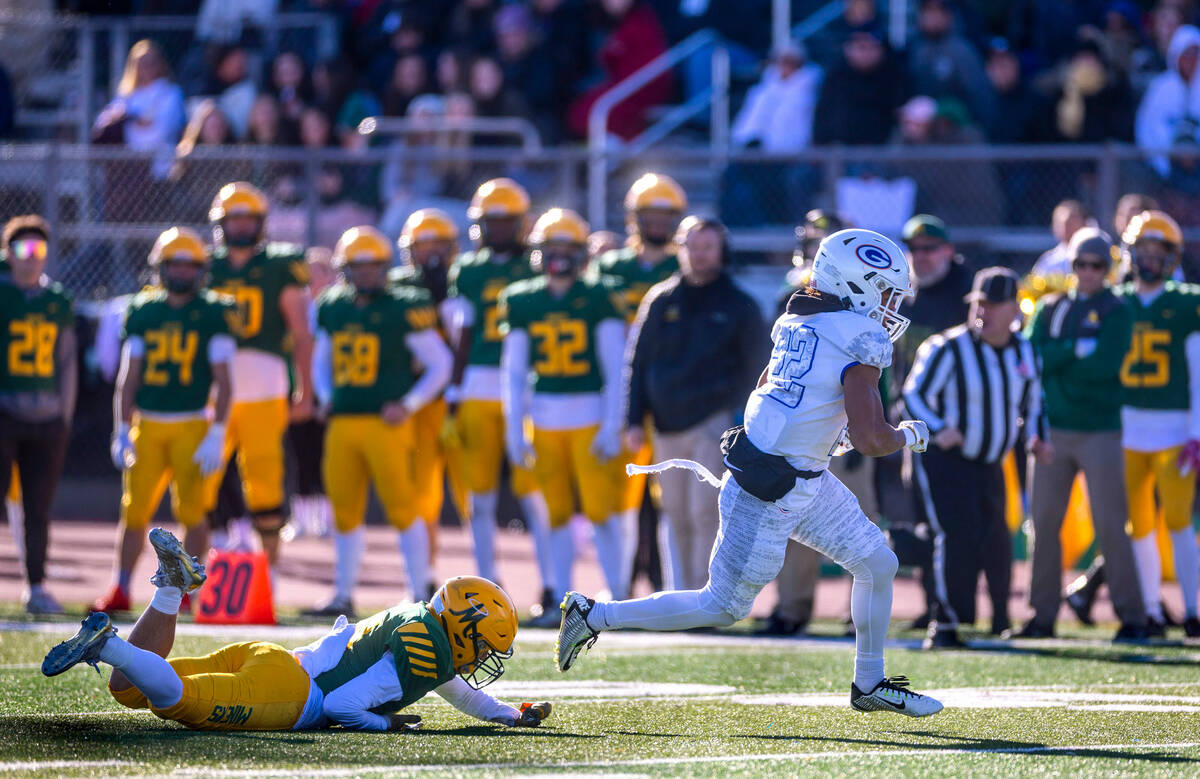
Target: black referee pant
x=964 y=501
x=38 y=449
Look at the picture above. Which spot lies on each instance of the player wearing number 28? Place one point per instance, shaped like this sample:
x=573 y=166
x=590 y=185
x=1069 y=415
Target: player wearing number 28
x=1160 y=417
x=566 y=336
x=817 y=397
x=372 y=341
x=177 y=346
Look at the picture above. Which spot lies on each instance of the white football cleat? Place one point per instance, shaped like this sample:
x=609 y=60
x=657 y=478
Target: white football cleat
x=574 y=633
x=892 y=694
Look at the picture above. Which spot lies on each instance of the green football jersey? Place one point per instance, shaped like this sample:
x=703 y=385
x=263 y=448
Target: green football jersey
x=371 y=363
x=176 y=374
x=256 y=287
x=475 y=277
x=417 y=644
x=1154 y=374
x=633 y=277
x=562 y=330
x=29 y=338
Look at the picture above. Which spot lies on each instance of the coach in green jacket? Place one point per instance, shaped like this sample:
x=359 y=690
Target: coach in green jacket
x=1081 y=337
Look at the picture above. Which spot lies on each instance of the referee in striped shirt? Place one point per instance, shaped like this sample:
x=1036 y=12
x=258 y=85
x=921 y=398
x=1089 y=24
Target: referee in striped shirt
x=974 y=385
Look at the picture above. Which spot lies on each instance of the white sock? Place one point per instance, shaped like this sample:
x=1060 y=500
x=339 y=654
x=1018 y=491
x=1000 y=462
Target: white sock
x=673 y=610
x=668 y=555
x=483 y=532
x=1187 y=567
x=153 y=676
x=629 y=545
x=607 y=537
x=167 y=600
x=871 y=610
x=349 y=548
x=414 y=547
x=16 y=526
x=537 y=517
x=1149 y=570
x=562 y=544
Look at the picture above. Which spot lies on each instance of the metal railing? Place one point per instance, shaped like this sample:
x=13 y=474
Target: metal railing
x=601 y=157
x=505 y=126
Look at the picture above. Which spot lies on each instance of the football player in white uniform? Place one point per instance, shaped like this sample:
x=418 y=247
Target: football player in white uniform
x=817 y=397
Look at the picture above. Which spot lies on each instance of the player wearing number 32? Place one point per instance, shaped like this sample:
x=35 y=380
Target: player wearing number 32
x=372 y=339
x=566 y=335
x=817 y=397
x=177 y=347
x=357 y=676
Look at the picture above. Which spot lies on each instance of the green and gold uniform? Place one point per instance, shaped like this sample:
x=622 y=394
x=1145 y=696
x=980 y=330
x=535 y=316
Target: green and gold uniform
x=261 y=385
x=173 y=389
x=563 y=357
x=371 y=367
x=30 y=336
x=478 y=279
x=1156 y=404
x=632 y=277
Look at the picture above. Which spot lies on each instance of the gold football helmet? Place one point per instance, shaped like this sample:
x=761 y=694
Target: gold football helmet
x=559 y=241
x=238 y=198
x=481 y=622
x=498 y=212
x=653 y=207
x=1153 y=264
x=179 y=244
x=431 y=227
x=362 y=244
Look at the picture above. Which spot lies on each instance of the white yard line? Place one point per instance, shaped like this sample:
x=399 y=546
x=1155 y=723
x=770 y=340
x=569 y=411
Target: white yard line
x=21 y=766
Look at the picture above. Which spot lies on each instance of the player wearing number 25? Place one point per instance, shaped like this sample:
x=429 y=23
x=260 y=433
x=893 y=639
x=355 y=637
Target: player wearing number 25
x=1160 y=417
x=37 y=388
x=177 y=347
x=568 y=334
x=372 y=341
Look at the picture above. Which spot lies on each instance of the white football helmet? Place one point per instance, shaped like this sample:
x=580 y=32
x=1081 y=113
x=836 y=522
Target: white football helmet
x=868 y=272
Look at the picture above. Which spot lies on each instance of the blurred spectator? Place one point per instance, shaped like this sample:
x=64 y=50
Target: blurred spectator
x=857 y=16
x=147 y=113
x=1169 y=114
x=196 y=180
x=563 y=29
x=233 y=87
x=403 y=26
x=1125 y=45
x=1168 y=16
x=1130 y=205
x=777 y=115
x=965 y=191
x=859 y=97
x=493 y=97
x=451 y=71
x=335 y=93
x=1092 y=102
x=943 y=63
x=1049 y=29
x=412 y=177
x=471 y=24
x=223 y=21
x=290 y=84
x=8 y=106
x=601 y=241
x=635 y=38
x=1013 y=100
x=527 y=67
x=740 y=28
x=266 y=127
x=1069 y=217
x=410 y=77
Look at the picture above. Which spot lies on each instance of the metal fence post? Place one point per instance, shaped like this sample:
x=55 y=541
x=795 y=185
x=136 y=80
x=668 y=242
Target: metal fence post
x=720 y=102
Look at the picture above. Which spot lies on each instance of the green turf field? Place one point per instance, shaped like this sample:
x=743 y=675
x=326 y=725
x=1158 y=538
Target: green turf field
x=682 y=704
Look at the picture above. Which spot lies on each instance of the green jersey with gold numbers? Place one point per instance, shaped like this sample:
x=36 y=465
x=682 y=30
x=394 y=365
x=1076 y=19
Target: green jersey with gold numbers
x=372 y=365
x=479 y=279
x=1154 y=373
x=176 y=373
x=632 y=277
x=256 y=288
x=562 y=330
x=416 y=642
x=32 y=324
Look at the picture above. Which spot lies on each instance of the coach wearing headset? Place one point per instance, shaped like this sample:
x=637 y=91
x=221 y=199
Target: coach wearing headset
x=693 y=356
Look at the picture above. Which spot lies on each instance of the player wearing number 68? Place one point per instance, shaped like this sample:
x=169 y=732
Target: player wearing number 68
x=178 y=345
x=372 y=341
x=564 y=339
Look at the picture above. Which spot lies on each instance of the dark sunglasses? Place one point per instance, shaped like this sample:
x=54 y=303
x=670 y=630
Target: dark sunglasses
x=1092 y=264
x=924 y=248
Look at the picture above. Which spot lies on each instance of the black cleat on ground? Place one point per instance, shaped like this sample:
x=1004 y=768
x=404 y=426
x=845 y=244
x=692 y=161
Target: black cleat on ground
x=1155 y=629
x=1130 y=634
x=776 y=625
x=1081 y=607
x=945 y=638
x=1033 y=630
x=1191 y=627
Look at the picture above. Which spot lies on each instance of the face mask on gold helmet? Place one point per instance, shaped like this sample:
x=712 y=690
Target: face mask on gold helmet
x=497 y=212
x=654 y=193
x=1146 y=229
x=480 y=621
x=179 y=246
x=559 y=241
x=359 y=246
x=238 y=198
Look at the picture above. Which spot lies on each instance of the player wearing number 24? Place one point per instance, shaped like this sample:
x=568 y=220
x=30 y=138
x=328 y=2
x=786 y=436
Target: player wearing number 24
x=178 y=344
x=357 y=676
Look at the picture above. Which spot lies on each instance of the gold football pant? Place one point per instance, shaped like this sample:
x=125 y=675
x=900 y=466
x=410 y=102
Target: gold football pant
x=164 y=452
x=360 y=450
x=435 y=462
x=247 y=686
x=565 y=468
x=14 y=486
x=481 y=428
x=1146 y=472
x=256 y=429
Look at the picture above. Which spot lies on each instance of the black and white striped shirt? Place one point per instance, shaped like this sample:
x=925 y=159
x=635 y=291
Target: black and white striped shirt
x=960 y=382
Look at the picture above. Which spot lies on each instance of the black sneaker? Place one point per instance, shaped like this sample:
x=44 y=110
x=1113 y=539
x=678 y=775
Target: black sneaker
x=892 y=694
x=1033 y=630
x=1191 y=627
x=574 y=633
x=945 y=638
x=1130 y=634
x=921 y=622
x=1081 y=607
x=776 y=625
x=1155 y=629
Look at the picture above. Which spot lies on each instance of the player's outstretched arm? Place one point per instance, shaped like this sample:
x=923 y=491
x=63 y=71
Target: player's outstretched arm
x=480 y=705
x=869 y=431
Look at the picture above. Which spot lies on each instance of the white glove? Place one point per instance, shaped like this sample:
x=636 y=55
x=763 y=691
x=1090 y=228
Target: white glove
x=520 y=451
x=606 y=445
x=208 y=453
x=121 y=448
x=1084 y=347
x=916 y=434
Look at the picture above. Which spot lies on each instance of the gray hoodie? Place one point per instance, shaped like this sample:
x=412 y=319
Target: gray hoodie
x=1169 y=101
